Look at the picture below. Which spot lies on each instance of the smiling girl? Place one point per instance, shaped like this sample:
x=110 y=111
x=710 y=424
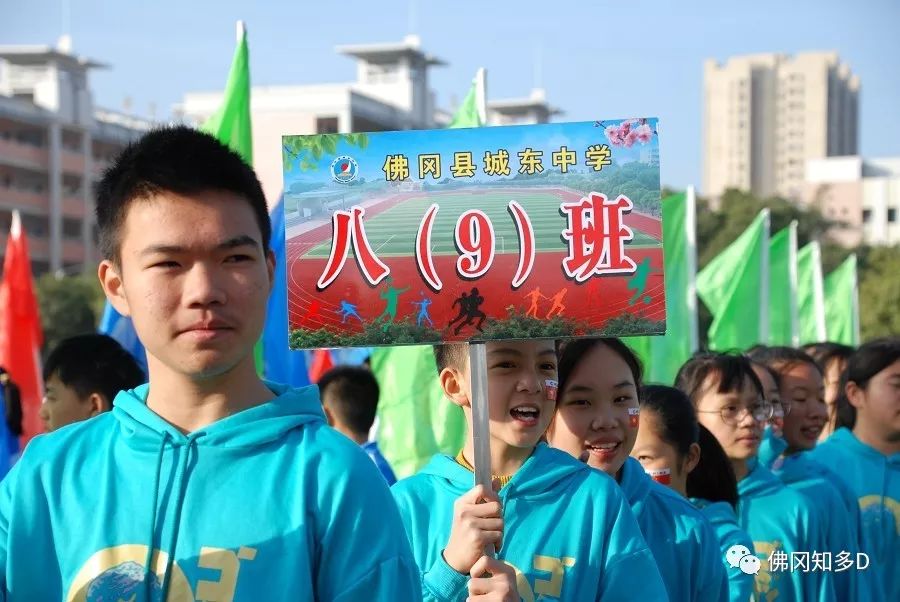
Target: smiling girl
x=598 y=414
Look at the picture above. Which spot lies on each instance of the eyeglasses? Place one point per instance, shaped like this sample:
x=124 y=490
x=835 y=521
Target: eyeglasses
x=785 y=405
x=732 y=415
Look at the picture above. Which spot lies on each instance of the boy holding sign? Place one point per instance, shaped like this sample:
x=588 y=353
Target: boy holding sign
x=564 y=529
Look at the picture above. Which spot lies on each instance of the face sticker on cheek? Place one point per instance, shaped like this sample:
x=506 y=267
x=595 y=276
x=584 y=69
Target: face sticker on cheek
x=662 y=476
x=634 y=417
x=550 y=389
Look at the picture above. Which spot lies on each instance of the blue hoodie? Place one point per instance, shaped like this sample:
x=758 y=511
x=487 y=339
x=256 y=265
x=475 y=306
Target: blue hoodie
x=265 y=503
x=682 y=541
x=875 y=481
x=770 y=448
x=779 y=519
x=724 y=521
x=835 y=505
x=813 y=480
x=568 y=531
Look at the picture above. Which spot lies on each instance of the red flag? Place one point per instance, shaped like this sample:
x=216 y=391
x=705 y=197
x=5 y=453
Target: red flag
x=20 y=328
x=321 y=364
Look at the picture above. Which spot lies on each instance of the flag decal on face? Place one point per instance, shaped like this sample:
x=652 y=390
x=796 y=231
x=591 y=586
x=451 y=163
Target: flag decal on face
x=634 y=415
x=550 y=387
x=661 y=475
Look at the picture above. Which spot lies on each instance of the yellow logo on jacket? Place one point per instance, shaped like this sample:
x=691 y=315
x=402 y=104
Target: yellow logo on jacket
x=118 y=574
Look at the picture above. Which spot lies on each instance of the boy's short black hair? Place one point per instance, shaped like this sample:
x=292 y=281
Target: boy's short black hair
x=730 y=370
x=175 y=159
x=450 y=355
x=353 y=396
x=93 y=363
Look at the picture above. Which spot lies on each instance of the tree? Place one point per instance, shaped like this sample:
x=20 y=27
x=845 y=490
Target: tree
x=879 y=292
x=879 y=287
x=69 y=306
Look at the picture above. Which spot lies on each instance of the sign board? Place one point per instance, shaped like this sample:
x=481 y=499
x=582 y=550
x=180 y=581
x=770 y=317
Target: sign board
x=418 y=237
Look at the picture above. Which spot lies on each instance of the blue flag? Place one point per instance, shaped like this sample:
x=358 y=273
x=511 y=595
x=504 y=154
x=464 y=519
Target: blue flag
x=121 y=329
x=9 y=443
x=281 y=364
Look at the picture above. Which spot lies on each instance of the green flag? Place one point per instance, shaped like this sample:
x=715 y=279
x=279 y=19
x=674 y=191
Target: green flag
x=472 y=113
x=231 y=123
x=734 y=286
x=415 y=420
x=783 y=287
x=663 y=355
x=842 y=304
x=810 y=294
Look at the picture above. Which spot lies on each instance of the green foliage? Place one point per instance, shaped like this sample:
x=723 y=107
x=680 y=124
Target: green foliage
x=879 y=292
x=718 y=229
x=638 y=181
x=69 y=306
x=627 y=325
x=374 y=333
x=519 y=326
x=309 y=150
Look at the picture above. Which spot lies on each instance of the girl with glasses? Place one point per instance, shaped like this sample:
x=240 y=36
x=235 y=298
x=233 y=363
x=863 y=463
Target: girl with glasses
x=730 y=402
x=683 y=455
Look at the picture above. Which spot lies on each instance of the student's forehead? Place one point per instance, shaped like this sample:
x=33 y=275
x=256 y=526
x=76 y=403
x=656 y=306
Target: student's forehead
x=539 y=347
x=212 y=206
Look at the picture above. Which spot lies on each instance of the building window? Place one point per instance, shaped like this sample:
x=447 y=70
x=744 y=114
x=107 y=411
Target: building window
x=892 y=215
x=71 y=228
x=867 y=216
x=327 y=125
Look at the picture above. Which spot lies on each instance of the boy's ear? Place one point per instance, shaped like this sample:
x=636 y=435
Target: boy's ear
x=455 y=386
x=113 y=287
x=329 y=417
x=98 y=404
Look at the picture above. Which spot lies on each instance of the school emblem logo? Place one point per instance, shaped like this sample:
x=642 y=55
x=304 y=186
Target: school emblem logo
x=344 y=169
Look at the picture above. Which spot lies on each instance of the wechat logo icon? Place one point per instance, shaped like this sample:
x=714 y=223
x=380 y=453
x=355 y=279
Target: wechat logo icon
x=740 y=557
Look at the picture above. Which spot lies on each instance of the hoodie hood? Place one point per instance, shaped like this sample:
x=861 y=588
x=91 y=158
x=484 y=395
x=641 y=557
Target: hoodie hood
x=635 y=484
x=537 y=478
x=717 y=513
x=770 y=448
x=146 y=432
x=845 y=437
x=143 y=429
x=759 y=481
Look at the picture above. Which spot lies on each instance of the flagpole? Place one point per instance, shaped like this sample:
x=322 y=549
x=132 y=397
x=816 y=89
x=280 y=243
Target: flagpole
x=690 y=222
x=792 y=278
x=481 y=426
x=481 y=94
x=855 y=302
x=818 y=293
x=764 y=280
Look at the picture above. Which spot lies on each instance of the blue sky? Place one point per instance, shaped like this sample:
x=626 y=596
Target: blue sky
x=598 y=59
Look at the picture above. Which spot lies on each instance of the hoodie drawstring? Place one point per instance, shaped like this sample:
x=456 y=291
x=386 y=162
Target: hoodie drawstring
x=180 y=482
x=147 y=563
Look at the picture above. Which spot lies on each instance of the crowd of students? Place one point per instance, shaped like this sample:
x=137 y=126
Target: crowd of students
x=208 y=483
